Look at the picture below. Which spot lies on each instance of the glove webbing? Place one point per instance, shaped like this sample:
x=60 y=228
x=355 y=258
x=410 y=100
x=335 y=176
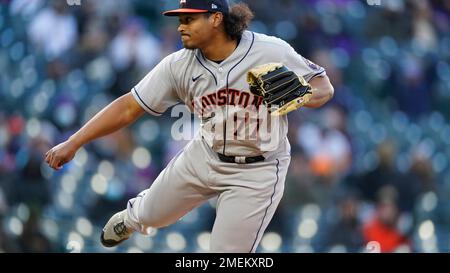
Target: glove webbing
x=296 y=86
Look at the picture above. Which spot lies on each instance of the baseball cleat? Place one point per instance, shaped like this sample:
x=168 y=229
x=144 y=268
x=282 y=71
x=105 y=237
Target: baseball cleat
x=115 y=230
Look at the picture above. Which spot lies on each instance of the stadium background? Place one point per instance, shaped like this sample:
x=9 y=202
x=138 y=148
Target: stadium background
x=372 y=165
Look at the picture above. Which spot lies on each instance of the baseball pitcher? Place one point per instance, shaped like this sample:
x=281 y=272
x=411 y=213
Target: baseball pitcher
x=241 y=84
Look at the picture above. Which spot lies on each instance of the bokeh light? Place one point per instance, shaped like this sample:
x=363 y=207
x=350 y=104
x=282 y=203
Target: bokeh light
x=141 y=157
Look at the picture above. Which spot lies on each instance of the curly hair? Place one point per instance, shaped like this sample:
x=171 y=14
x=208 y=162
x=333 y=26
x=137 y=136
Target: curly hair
x=237 y=20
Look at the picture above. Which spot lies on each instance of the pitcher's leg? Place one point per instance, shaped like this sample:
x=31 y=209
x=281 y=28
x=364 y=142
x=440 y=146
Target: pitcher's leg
x=178 y=189
x=168 y=199
x=244 y=211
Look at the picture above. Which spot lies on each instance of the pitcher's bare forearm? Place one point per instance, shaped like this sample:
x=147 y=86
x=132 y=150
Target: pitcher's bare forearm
x=118 y=114
x=323 y=91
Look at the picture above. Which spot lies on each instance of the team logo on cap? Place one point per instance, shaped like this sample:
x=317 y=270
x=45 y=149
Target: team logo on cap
x=213 y=6
x=182 y=2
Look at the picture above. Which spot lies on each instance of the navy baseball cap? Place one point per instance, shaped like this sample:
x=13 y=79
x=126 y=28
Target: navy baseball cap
x=199 y=6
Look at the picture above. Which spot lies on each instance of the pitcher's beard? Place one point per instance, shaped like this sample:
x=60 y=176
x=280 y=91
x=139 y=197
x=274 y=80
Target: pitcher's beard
x=188 y=46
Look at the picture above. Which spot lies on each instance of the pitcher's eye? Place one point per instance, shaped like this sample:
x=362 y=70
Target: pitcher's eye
x=185 y=20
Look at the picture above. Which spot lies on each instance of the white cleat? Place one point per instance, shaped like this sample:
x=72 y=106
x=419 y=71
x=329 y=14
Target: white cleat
x=115 y=230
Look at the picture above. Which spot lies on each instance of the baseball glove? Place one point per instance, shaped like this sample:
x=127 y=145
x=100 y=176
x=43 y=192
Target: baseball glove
x=282 y=90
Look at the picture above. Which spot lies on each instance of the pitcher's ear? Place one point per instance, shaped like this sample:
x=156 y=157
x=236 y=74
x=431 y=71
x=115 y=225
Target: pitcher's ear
x=217 y=18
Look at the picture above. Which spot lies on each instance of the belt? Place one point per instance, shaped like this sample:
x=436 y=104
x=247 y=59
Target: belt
x=240 y=159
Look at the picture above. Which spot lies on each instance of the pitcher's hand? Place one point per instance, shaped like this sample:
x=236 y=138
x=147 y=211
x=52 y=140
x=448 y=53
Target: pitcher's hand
x=59 y=155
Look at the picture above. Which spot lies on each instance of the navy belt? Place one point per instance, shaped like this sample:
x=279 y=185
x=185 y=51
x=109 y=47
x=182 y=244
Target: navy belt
x=240 y=159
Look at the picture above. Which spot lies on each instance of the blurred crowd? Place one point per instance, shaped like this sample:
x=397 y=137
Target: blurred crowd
x=369 y=171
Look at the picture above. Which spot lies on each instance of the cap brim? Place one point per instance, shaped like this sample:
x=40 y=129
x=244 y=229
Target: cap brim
x=176 y=12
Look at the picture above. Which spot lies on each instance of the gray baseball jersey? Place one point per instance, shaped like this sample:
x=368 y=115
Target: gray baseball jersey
x=232 y=123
